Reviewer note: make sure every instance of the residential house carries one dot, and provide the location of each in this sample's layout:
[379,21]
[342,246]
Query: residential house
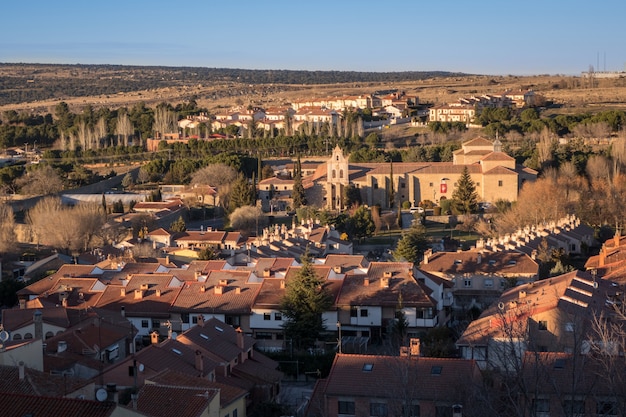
[551,315]
[363,386]
[478,277]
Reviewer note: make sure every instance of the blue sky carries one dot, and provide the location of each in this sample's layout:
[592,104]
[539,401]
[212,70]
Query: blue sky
[482,37]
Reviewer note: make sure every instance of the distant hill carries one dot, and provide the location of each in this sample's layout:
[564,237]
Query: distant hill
[21,83]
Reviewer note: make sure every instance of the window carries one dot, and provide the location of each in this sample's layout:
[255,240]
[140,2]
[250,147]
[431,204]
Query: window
[499,183]
[542,325]
[425,313]
[430,184]
[367,367]
[156,324]
[569,327]
[378,409]
[559,363]
[488,283]
[334,174]
[263,335]
[194,319]
[477,184]
[364,312]
[606,408]
[435,370]
[184,317]
[541,405]
[443,411]
[341,173]
[144,324]
[413,410]
[267,316]
[235,412]
[467,283]
[353,312]
[345,407]
[28,336]
[278,316]
[402,185]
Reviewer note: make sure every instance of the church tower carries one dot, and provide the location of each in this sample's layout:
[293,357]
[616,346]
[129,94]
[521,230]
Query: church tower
[337,179]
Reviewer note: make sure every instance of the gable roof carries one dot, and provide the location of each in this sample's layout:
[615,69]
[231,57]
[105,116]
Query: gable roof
[20,405]
[166,401]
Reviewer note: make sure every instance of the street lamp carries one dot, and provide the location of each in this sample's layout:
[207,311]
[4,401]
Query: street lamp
[339,338]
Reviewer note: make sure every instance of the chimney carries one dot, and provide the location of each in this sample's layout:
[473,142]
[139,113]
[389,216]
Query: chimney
[240,344]
[282,284]
[387,274]
[384,282]
[218,290]
[415,347]
[61,346]
[238,290]
[522,294]
[123,292]
[38,321]
[22,304]
[21,370]
[196,275]
[144,286]
[427,254]
[602,257]
[616,238]
[223,282]
[479,258]
[158,293]
[154,338]
[167,259]
[366,282]
[267,273]
[138,294]
[123,311]
[337,269]
[199,362]
[64,303]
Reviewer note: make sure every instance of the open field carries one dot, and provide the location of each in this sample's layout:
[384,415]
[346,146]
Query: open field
[126,86]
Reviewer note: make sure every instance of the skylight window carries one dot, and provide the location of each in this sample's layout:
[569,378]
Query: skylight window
[176,351]
[435,370]
[205,337]
[368,367]
[458,261]
[219,329]
[559,363]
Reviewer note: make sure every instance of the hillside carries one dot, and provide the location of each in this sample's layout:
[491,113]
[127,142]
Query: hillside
[39,88]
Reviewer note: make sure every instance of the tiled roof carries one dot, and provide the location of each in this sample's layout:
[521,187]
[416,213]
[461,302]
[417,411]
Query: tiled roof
[380,376]
[228,393]
[236,296]
[259,369]
[19,405]
[573,293]
[378,289]
[164,401]
[14,319]
[36,382]
[498,156]
[503,263]
[172,354]
[346,262]
[217,338]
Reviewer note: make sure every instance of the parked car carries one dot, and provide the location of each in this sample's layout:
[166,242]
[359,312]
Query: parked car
[419,210]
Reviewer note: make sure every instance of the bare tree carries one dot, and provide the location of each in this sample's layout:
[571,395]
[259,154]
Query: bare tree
[123,129]
[100,133]
[7,228]
[545,146]
[164,120]
[247,219]
[40,181]
[220,176]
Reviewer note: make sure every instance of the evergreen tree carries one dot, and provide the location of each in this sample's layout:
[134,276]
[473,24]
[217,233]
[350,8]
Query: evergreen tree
[298,196]
[361,224]
[241,194]
[464,195]
[412,245]
[304,301]
[178,225]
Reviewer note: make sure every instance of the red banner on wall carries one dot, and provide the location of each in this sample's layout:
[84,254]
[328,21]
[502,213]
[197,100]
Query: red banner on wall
[443,188]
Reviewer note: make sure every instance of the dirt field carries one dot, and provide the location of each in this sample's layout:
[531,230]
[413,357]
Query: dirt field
[572,93]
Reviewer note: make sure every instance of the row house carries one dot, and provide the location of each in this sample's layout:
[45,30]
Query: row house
[610,263]
[478,277]
[315,116]
[455,112]
[275,194]
[162,299]
[551,315]
[367,385]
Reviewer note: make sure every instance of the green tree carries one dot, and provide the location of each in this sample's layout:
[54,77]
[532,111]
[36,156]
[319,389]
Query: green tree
[298,195]
[352,196]
[412,245]
[305,299]
[208,254]
[361,224]
[127,181]
[464,195]
[178,225]
[241,194]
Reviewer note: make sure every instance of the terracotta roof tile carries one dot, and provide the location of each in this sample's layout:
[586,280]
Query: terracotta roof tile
[163,401]
[18,405]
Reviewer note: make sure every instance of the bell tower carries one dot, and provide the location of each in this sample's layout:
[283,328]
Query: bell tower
[337,179]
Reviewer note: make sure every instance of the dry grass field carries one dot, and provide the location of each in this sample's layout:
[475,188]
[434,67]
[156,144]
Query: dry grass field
[573,94]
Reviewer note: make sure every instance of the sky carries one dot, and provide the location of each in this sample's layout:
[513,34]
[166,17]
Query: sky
[494,37]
